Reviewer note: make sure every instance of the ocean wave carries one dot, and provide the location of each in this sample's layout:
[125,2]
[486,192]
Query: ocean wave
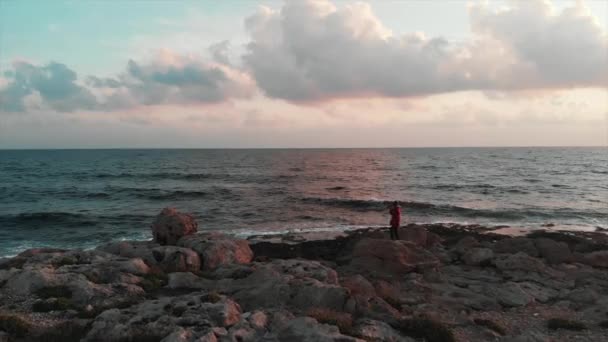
[431,209]
[59,219]
[158,175]
[156,194]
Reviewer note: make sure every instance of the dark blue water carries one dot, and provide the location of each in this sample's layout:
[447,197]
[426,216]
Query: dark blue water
[85,197]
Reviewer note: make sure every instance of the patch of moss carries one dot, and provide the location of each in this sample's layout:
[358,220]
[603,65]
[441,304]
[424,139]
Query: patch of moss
[54,292]
[427,328]
[566,324]
[14,325]
[342,320]
[491,325]
[57,304]
[211,297]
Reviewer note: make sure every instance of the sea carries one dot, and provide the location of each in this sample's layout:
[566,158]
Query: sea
[83,198]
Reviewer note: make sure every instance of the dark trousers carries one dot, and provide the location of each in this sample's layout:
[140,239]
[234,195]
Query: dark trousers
[394,233]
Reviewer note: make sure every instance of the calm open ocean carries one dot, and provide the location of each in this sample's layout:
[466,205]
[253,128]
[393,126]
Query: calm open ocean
[81,198]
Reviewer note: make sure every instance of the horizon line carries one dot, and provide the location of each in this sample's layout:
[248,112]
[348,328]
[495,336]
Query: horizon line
[288,148]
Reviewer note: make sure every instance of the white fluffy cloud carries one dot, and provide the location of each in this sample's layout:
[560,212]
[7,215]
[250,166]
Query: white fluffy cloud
[312,50]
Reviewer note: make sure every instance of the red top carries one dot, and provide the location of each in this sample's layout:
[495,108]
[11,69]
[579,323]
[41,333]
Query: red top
[395,216]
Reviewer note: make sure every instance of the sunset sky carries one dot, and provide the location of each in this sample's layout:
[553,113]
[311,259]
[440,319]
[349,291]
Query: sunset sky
[303,73]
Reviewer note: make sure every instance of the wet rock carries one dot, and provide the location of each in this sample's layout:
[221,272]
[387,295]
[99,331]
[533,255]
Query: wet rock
[552,251]
[171,225]
[217,250]
[378,256]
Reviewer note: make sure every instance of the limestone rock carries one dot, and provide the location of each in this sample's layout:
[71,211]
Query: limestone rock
[554,252]
[161,318]
[216,251]
[358,286]
[596,259]
[478,256]
[519,261]
[395,258]
[306,329]
[372,330]
[171,225]
[516,245]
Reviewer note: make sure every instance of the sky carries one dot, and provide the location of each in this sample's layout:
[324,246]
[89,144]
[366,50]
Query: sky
[303,73]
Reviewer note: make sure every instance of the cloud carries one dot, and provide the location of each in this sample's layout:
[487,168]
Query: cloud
[313,50]
[54,83]
[565,49]
[167,79]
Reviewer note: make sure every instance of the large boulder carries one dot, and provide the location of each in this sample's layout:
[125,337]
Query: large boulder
[381,256]
[171,225]
[216,250]
[554,252]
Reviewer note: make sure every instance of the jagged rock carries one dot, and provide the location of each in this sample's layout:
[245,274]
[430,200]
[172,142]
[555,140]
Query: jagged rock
[171,225]
[311,293]
[372,330]
[509,294]
[167,258]
[516,245]
[176,259]
[31,280]
[519,261]
[540,293]
[298,283]
[596,259]
[358,286]
[306,329]
[377,256]
[583,297]
[157,319]
[478,256]
[217,250]
[465,244]
[552,251]
[187,280]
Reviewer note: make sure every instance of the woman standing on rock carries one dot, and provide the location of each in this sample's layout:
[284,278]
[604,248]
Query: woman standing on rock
[395,212]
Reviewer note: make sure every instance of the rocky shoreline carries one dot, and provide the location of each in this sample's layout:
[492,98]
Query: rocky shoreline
[439,283]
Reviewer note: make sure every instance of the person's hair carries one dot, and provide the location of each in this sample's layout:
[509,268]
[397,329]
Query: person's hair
[395,203]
